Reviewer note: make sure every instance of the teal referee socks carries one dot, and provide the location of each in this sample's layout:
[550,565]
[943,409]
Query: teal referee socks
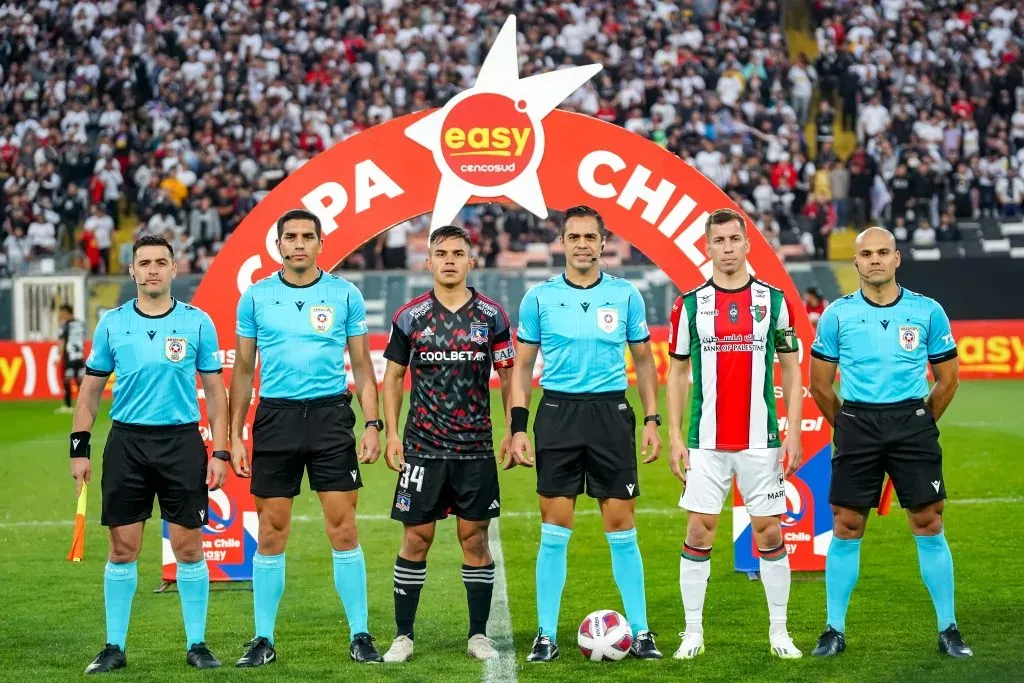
[628,570]
[842,568]
[350,582]
[551,568]
[267,589]
[936,564]
[194,590]
[119,583]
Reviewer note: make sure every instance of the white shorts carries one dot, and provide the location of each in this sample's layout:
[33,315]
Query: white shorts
[759,477]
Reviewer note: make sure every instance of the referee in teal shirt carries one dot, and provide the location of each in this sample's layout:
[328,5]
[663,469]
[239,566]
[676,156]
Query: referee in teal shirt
[585,429]
[301,320]
[882,338]
[154,346]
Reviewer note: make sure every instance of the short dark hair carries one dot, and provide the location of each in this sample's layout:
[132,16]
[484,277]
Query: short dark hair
[721,217]
[449,231]
[583,211]
[67,308]
[299,215]
[151,241]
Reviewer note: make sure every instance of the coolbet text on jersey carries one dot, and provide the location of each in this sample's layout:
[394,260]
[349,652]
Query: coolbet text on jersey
[450,354]
[885,350]
[302,332]
[731,337]
[583,332]
[155,359]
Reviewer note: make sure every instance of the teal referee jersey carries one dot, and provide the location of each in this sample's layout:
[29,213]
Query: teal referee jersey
[301,333]
[883,351]
[154,359]
[583,331]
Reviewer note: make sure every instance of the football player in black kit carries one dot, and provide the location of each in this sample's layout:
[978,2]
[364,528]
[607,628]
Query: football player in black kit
[71,346]
[449,338]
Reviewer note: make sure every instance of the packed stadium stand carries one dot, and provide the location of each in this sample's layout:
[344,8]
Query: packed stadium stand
[121,118]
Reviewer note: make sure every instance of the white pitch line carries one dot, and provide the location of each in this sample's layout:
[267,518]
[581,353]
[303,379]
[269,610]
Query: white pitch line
[502,669]
[518,514]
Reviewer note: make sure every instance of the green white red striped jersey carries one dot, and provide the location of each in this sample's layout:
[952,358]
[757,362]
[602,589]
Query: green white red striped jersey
[731,337]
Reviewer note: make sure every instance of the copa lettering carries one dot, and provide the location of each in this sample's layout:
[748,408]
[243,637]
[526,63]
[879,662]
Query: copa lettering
[328,200]
[500,141]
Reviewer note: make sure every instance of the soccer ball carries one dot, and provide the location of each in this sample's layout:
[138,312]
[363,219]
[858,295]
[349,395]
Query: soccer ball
[604,636]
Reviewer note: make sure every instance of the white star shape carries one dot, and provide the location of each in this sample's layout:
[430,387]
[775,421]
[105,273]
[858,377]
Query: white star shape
[499,74]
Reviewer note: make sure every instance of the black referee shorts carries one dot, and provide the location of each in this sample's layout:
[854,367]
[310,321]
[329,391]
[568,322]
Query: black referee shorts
[586,442]
[872,439]
[292,436]
[169,462]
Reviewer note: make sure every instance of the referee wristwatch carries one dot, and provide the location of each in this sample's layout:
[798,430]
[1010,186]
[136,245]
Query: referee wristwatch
[378,423]
[656,419]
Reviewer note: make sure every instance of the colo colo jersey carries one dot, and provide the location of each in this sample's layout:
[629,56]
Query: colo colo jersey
[731,337]
[154,360]
[301,333]
[450,355]
[883,351]
[72,333]
[583,331]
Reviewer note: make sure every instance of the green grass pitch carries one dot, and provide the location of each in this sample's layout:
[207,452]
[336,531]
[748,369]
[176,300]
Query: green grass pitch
[52,621]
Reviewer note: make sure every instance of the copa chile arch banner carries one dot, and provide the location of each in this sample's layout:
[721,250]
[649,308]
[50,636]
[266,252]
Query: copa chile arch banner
[503,140]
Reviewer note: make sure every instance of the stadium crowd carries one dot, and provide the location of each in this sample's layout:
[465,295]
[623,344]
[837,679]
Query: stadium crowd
[184,115]
[935,94]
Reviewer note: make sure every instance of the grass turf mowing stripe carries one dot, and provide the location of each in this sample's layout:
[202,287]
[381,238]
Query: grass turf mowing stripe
[516,514]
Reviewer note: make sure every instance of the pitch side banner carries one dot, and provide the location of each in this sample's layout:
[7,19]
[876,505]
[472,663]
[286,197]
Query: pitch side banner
[501,141]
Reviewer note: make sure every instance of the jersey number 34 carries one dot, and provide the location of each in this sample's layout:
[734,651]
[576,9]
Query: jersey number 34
[412,474]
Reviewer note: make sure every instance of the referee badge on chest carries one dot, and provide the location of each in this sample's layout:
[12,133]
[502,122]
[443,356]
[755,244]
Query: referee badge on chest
[175,348]
[608,319]
[321,318]
[910,337]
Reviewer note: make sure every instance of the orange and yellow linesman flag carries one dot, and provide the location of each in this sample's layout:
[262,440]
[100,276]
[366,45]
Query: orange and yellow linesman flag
[78,541]
[886,499]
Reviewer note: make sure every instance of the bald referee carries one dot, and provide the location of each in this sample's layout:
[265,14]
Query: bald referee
[585,429]
[881,338]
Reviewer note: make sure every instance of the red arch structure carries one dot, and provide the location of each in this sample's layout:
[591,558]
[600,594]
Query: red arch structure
[379,178]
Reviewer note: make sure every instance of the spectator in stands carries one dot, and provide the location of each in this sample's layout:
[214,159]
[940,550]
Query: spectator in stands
[815,304]
[204,226]
[1010,196]
[947,230]
[924,235]
[101,226]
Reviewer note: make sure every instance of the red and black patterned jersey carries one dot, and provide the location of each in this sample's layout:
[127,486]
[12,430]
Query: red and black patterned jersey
[450,354]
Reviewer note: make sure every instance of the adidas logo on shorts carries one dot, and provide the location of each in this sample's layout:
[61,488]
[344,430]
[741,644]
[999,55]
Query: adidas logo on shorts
[494,505]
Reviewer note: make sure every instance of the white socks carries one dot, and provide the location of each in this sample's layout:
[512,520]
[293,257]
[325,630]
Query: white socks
[775,576]
[693,584]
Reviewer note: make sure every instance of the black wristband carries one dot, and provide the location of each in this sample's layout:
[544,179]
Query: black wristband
[222,455]
[80,445]
[520,419]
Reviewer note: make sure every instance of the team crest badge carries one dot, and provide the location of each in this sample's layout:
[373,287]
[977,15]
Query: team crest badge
[403,503]
[759,311]
[734,312]
[608,319]
[910,337]
[175,348]
[321,318]
[478,333]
